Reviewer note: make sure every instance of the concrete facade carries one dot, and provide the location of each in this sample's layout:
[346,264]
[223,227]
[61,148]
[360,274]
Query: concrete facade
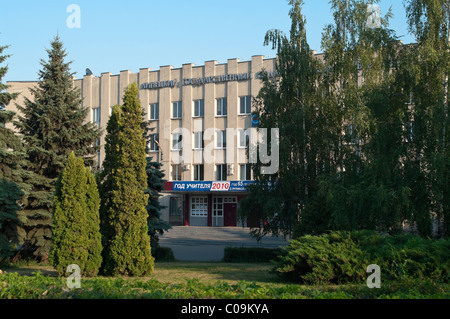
[208,100]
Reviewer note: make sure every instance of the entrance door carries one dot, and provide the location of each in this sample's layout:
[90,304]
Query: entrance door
[229,211]
[217,214]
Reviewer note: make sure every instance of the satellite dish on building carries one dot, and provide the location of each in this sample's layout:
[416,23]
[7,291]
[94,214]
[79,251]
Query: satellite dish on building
[89,72]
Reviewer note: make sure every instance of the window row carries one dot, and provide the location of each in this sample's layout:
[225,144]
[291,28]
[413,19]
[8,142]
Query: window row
[199,143]
[221,173]
[198,108]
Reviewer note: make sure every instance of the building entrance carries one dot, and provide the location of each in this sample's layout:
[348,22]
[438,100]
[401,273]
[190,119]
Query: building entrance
[224,211]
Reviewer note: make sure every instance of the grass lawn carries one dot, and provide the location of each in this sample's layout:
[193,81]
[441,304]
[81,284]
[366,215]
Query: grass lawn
[200,280]
[179,272]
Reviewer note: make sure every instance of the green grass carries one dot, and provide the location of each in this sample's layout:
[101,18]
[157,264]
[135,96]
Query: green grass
[200,280]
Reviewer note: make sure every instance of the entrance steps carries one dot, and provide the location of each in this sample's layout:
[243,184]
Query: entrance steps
[223,236]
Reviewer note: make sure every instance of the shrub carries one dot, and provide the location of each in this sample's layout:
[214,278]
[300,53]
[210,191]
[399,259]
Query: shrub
[330,258]
[250,254]
[340,257]
[163,254]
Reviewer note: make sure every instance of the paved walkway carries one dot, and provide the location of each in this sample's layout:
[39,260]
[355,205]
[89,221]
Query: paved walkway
[193,243]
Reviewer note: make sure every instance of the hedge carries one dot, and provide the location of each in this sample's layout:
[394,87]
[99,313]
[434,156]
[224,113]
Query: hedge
[343,257]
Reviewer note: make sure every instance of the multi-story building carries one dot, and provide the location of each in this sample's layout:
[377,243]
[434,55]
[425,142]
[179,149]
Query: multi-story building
[199,116]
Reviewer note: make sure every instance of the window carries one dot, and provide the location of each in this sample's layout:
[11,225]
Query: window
[221,139]
[199,172]
[199,206]
[176,141]
[154,111]
[96,115]
[408,132]
[198,140]
[176,172]
[154,143]
[199,108]
[176,110]
[176,205]
[221,172]
[221,107]
[243,138]
[245,172]
[245,105]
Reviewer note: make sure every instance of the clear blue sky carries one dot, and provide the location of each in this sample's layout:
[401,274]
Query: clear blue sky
[129,35]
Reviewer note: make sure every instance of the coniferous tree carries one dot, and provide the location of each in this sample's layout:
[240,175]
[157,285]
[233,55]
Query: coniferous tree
[124,179]
[94,259]
[70,242]
[12,175]
[52,126]
[155,182]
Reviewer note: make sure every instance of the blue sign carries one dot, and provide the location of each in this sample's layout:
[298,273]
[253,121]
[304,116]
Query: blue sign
[255,120]
[210,186]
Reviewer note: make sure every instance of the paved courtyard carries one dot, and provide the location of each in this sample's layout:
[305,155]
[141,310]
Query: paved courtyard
[191,243]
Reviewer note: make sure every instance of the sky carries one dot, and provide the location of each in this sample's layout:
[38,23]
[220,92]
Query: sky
[111,36]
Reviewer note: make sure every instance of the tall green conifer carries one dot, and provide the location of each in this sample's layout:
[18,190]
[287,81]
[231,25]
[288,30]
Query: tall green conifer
[124,216]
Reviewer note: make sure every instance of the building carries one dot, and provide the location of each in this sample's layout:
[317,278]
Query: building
[200,115]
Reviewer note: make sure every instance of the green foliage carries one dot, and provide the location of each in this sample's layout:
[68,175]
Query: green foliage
[124,178]
[52,125]
[75,229]
[340,257]
[250,254]
[38,286]
[155,181]
[94,247]
[163,254]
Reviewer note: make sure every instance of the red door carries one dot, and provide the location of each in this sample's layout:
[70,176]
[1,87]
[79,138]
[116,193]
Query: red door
[229,212]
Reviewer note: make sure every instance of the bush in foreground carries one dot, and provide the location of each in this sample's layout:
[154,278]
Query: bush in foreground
[343,257]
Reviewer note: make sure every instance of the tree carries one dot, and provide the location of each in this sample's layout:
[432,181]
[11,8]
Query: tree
[12,175]
[290,104]
[123,200]
[94,259]
[426,73]
[69,232]
[155,182]
[76,225]
[52,126]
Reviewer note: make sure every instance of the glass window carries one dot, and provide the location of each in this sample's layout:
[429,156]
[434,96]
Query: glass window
[199,206]
[154,142]
[176,172]
[244,138]
[198,140]
[154,111]
[176,141]
[199,108]
[221,172]
[245,172]
[221,107]
[96,115]
[176,110]
[221,139]
[245,106]
[199,172]
[176,205]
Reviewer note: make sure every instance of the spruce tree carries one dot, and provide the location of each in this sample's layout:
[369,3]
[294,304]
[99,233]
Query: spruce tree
[155,182]
[12,175]
[124,216]
[52,125]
